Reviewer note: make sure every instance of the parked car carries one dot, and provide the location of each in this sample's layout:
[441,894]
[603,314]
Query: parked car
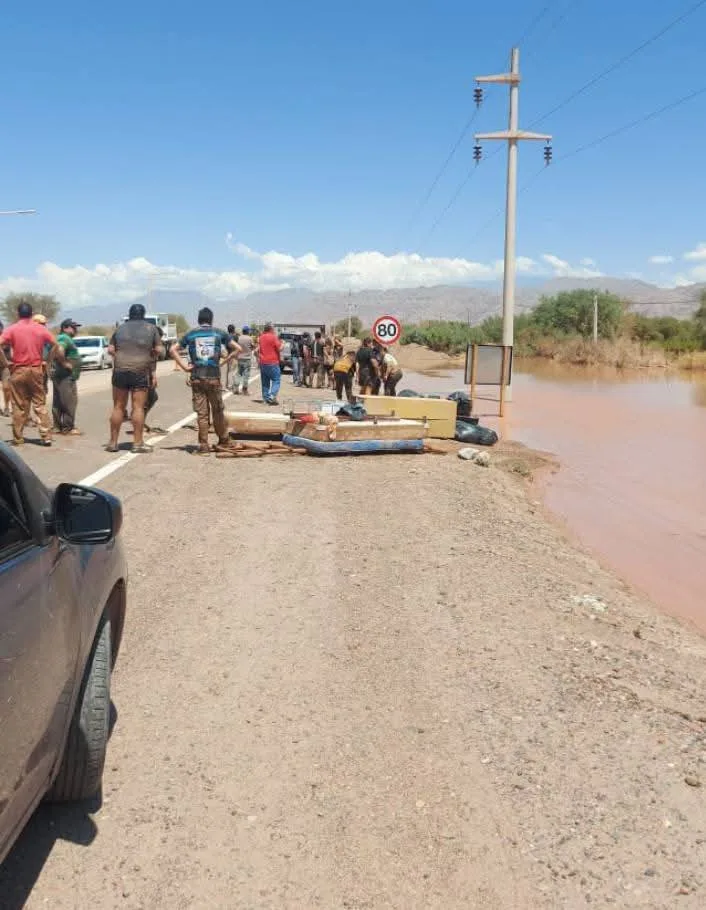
[94,351]
[62,609]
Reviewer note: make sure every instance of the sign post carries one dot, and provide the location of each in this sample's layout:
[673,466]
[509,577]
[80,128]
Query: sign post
[387,330]
[489,364]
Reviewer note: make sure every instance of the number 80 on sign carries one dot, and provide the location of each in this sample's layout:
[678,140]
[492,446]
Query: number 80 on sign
[387,330]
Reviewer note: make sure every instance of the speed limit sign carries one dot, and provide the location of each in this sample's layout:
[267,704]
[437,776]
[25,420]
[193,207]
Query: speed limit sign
[387,329]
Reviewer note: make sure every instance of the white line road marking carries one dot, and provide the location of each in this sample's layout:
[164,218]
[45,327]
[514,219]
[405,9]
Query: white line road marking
[127,457]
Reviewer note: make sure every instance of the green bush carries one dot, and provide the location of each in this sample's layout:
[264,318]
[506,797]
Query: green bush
[567,317]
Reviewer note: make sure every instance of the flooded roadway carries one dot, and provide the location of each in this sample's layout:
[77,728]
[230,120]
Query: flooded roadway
[632,479]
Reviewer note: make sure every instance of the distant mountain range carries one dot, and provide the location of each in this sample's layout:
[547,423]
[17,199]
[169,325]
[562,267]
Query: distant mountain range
[409,304]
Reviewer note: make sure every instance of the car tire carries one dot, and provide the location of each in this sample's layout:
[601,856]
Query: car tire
[81,770]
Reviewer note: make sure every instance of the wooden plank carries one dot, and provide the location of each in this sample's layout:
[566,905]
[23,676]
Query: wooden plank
[253,423]
[349,430]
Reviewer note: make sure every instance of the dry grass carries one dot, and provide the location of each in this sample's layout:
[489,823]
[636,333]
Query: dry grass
[622,353]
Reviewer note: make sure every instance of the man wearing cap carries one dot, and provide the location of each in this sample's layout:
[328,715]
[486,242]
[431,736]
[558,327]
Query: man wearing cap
[27,340]
[66,369]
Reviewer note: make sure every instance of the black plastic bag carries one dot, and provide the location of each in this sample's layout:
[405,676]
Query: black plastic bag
[352,411]
[475,435]
[463,403]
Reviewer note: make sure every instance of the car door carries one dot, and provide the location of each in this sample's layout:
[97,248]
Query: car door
[38,651]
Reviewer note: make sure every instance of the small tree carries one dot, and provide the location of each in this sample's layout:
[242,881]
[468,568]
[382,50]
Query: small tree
[341,327]
[571,313]
[46,304]
[700,320]
[182,324]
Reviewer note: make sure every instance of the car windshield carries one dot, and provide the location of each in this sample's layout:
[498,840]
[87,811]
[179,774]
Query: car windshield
[87,342]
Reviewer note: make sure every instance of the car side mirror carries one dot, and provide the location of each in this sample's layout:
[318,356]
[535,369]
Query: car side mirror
[85,515]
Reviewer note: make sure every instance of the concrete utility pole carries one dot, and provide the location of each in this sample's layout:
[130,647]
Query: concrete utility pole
[512,136]
[595,318]
[349,308]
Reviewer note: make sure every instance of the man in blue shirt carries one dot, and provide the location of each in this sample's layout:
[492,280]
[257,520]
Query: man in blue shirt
[206,347]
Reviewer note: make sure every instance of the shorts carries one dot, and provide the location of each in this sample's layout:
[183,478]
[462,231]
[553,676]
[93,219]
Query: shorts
[132,380]
[365,378]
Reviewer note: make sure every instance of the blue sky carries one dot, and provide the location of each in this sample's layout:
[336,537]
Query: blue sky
[143,132]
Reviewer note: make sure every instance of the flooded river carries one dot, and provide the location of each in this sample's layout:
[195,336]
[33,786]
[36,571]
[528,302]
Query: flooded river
[632,480]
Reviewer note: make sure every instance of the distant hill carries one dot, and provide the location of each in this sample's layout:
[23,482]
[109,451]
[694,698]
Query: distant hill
[409,304]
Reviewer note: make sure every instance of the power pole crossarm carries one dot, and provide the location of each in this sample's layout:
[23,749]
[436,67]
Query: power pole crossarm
[516,134]
[513,135]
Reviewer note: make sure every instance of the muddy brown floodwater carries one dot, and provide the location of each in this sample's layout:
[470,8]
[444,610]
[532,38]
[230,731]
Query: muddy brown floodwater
[631,485]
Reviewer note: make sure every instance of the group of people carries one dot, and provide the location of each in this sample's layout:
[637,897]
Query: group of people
[30,356]
[313,359]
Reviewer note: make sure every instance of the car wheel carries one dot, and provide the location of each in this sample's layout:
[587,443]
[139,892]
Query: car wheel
[81,770]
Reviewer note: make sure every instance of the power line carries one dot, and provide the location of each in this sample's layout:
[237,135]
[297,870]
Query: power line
[533,24]
[555,23]
[442,170]
[629,126]
[450,204]
[622,61]
[593,144]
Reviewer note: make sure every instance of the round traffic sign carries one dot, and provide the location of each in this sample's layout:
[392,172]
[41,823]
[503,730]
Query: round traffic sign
[387,329]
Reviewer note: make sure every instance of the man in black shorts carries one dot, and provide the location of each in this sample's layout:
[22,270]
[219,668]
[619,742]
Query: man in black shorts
[135,346]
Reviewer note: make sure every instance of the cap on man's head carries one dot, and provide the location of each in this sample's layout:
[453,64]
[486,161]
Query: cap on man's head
[40,318]
[70,324]
[246,330]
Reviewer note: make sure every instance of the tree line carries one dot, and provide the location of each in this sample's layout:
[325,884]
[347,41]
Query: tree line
[566,317]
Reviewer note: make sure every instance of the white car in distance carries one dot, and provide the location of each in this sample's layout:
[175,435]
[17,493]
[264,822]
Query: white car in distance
[94,351]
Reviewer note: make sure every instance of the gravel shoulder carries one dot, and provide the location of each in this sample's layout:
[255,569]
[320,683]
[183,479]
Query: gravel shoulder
[384,682]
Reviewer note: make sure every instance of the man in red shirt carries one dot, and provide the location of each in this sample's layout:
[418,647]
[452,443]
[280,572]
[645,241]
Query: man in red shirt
[268,355]
[27,339]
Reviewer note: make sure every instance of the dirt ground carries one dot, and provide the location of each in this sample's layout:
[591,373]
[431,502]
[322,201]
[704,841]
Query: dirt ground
[383,682]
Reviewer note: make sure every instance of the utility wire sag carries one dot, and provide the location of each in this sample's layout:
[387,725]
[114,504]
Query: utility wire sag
[621,62]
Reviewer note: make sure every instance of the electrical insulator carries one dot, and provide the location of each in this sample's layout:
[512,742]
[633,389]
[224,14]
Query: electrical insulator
[478,96]
[477,153]
[548,154]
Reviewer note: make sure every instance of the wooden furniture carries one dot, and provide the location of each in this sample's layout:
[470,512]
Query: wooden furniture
[439,413]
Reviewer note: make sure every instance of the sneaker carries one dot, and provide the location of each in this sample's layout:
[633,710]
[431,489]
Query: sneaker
[142,450]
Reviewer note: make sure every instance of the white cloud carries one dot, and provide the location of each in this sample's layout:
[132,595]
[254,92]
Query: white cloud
[660,260]
[82,285]
[562,269]
[588,263]
[698,254]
